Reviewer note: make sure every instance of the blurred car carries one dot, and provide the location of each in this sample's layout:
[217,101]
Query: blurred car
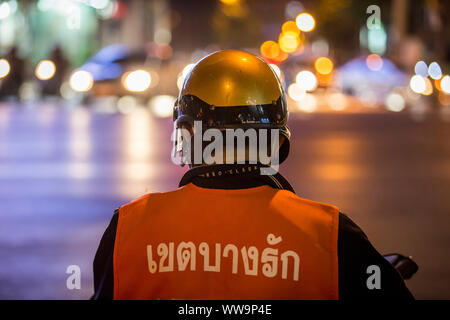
[140,77]
[370,78]
[115,70]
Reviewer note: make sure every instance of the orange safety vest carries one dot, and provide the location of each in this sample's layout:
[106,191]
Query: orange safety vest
[198,243]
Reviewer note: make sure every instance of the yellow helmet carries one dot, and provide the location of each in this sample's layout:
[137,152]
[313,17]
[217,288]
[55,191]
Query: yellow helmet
[233,89]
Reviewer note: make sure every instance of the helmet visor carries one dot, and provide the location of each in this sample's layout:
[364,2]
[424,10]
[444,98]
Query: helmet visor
[272,115]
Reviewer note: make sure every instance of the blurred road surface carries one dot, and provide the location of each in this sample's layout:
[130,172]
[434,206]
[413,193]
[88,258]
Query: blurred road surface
[62,173]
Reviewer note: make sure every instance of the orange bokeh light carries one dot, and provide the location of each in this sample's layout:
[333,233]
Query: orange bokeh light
[270,50]
[324,65]
[289,41]
[290,26]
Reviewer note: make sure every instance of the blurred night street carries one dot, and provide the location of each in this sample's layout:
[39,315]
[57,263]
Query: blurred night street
[92,93]
[64,172]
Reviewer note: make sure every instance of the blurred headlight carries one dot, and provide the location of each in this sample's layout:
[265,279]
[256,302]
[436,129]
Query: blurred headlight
[81,81]
[136,81]
[45,70]
[395,102]
[4,68]
[306,80]
[435,71]
[324,65]
[162,106]
[305,22]
[445,84]
[289,41]
[295,92]
[417,84]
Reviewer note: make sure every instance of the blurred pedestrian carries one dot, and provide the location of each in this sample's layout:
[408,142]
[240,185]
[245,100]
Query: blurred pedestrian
[52,86]
[10,85]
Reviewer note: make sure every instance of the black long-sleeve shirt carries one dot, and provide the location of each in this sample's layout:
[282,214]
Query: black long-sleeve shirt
[355,252]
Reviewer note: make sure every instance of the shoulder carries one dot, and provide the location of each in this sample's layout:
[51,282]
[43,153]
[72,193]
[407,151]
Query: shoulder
[289,197]
[350,230]
[318,216]
[149,199]
[142,199]
[136,203]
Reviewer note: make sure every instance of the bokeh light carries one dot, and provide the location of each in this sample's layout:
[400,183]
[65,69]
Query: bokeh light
[4,68]
[417,84]
[289,41]
[163,51]
[434,71]
[293,8]
[337,101]
[290,26]
[281,56]
[162,105]
[28,91]
[395,102]
[324,65]
[127,104]
[81,81]
[137,81]
[66,91]
[374,62]
[270,50]
[421,69]
[444,99]
[229,2]
[320,47]
[295,92]
[445,84]
[305,22]
[45,70]
[163,36]
[306,80]
[324,80]
[428,87]
[308,103]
